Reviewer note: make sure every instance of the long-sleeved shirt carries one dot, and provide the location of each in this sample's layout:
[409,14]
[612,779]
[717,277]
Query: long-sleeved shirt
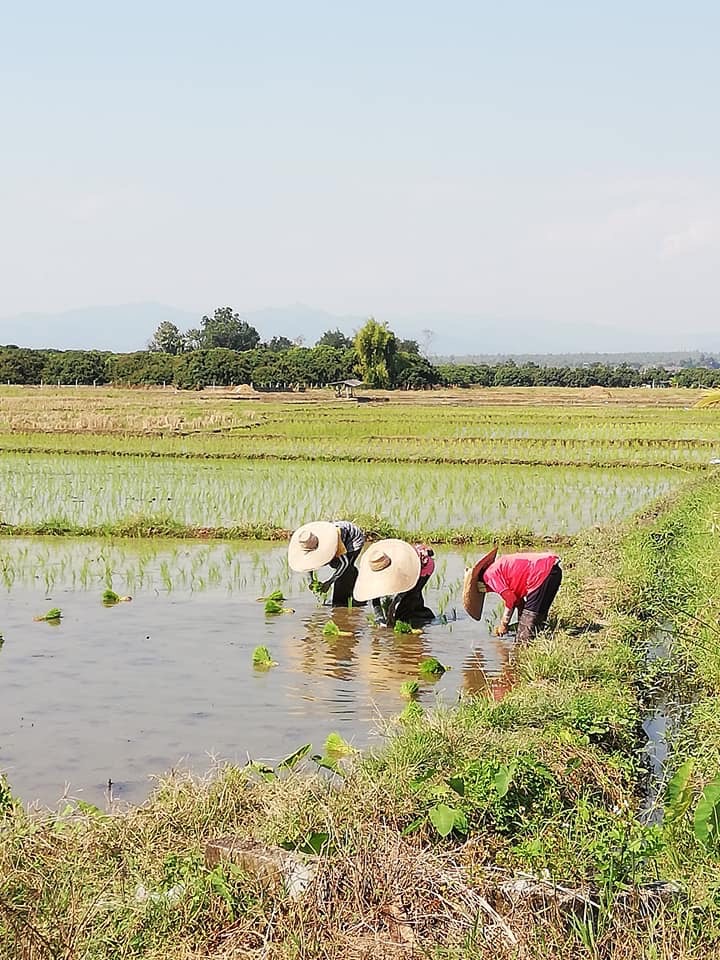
[351,535]
[515,575]
[353,540]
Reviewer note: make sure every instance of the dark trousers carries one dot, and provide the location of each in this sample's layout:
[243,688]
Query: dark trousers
[538,601]
[411,607]
[343,586]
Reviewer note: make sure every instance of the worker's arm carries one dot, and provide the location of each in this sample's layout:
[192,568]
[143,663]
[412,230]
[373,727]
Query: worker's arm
[391,614]
[511,604]
[343,562]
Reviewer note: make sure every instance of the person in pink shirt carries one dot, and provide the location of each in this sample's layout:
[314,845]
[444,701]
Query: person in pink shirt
[527,582]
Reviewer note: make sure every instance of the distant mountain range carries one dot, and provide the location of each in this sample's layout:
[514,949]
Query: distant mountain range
[130,326]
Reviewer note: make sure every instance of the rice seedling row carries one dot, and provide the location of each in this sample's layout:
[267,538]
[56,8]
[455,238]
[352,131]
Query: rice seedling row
[693,454]
[76,491]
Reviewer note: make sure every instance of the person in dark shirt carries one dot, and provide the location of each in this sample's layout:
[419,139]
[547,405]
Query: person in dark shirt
[409,606]
[334,543]
[391,569]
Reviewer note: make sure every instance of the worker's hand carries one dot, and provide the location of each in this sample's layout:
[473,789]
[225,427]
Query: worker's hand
[317,586]
[501,629]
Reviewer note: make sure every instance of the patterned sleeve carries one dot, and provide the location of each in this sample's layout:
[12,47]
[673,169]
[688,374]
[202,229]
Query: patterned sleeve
[352,536]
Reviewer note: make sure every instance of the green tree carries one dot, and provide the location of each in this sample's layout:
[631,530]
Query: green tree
[376,348]
[143,368]
[167,339]
[76,366]
[279,344]
[334,338]
[218,366]
[22,365]
[413,372]
[194,339]
[226,329]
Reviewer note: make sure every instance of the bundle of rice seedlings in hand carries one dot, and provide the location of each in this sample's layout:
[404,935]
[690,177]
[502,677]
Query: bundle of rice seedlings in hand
[317,586]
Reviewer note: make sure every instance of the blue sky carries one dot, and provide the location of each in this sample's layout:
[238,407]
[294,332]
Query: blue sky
[552,162]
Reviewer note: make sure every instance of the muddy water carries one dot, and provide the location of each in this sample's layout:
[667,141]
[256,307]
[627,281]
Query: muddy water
[127,692]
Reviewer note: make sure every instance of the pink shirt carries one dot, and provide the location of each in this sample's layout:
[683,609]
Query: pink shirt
[515,575]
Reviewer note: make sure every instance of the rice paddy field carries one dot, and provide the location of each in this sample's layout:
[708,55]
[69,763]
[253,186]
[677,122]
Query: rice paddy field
[121,694]
[72,491]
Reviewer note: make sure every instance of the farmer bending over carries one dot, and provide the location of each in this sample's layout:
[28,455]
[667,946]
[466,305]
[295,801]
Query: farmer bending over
[409,606]
[527,582]
[393,570]
[323,543]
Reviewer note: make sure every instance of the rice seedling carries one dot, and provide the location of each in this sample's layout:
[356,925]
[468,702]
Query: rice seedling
[432,667]
[336,746]
[411,711]
[54,615]
[409,689]
[274,607]
[110,598]
[331,629]
[404,628]
[262,659]
[277,595]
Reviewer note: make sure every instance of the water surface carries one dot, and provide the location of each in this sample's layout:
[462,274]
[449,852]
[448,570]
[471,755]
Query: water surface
[127,692]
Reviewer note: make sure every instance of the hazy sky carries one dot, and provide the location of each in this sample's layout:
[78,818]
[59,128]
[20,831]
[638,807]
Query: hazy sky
[544,160]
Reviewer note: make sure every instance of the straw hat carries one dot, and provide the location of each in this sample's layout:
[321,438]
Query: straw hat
[473,598]
[312,546]
[386,568]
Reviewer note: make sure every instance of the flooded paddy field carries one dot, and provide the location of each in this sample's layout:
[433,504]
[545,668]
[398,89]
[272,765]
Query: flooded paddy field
[86,491]
[484,427]
[126,692]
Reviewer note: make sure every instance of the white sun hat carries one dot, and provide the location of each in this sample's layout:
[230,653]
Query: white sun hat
[387,567]
[313,545]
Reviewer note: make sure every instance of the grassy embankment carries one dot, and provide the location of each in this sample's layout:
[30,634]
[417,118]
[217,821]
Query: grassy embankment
[423,844]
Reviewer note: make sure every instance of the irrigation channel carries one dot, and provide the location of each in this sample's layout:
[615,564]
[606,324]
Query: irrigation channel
[121,693]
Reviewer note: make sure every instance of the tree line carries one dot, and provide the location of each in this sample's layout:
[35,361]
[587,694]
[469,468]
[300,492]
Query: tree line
[225,351]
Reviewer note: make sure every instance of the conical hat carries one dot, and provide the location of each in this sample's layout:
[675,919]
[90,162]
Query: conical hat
[312,546]
[386,568]
[473,599]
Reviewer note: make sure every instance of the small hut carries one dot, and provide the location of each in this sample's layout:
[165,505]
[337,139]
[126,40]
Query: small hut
[345,389]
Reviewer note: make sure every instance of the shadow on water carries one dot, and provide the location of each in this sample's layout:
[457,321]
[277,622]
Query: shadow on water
[124,693]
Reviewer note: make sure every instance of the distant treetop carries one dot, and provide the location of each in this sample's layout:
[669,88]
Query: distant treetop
[334,338]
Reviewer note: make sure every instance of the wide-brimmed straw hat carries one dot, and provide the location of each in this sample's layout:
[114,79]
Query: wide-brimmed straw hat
[312,546]
[473,599]
[387,567]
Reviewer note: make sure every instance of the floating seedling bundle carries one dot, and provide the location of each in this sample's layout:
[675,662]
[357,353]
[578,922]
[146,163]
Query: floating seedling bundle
[54,615]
